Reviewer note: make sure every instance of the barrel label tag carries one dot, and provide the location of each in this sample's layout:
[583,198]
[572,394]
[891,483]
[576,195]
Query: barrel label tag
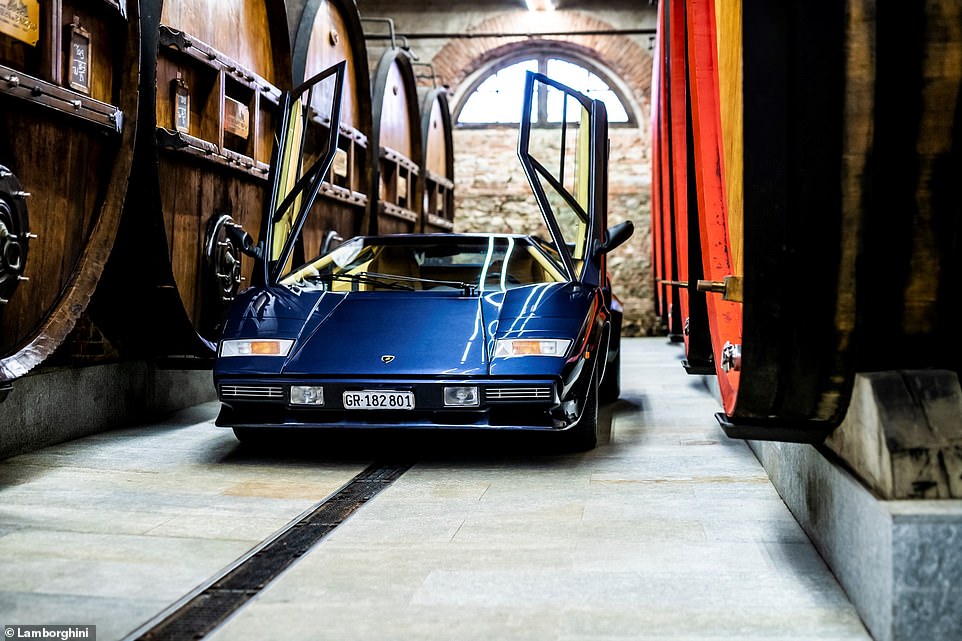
[180,97]
[20,19]
[78,70]
[236,118]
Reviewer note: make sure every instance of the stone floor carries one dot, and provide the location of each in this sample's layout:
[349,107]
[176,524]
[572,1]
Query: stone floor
[668,530]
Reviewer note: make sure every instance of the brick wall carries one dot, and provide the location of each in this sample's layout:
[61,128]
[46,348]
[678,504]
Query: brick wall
[491,192]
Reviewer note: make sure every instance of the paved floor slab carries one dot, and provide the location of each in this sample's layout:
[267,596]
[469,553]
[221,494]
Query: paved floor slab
[111,529]
[667,531]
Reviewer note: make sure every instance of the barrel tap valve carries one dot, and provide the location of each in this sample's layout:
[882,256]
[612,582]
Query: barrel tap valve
[730,288]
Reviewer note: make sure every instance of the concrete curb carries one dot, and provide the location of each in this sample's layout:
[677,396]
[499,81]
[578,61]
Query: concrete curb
[59,404]
[899,561]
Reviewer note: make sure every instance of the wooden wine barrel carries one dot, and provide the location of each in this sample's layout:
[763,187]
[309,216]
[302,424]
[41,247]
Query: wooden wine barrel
[396,134]
[901,160]
[329,31]
[438,167]
[684,308]
[782,370]
[68,113]
[664,264]
[827,214]
[211,74]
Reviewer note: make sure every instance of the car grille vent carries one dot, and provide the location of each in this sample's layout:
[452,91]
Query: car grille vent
[534,393]
[252,391]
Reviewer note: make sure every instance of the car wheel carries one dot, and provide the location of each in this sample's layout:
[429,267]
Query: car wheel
[610,388]
[584,436]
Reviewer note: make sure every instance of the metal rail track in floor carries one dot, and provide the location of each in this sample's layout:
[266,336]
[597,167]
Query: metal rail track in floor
[198,613]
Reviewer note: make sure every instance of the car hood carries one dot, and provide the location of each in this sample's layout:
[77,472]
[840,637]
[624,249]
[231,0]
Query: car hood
[393,333]
[406,333]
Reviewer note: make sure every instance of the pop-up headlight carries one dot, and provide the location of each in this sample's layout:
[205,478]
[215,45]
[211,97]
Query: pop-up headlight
[256,347]
[509,347]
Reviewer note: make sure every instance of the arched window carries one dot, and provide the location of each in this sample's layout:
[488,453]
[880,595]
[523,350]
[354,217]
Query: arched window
[495,97]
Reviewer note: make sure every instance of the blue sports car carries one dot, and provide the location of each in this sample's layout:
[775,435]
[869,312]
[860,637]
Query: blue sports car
[449,331]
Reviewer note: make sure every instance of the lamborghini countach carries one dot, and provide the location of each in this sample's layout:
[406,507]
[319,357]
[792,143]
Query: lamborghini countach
[431,331]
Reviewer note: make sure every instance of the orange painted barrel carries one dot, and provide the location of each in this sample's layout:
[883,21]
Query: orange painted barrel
[825,144]
[329,31]
[68,114]
[212,74]
[396,134]
[438,167]
[678,254]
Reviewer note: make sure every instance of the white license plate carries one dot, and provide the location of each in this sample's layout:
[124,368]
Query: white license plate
[378,400]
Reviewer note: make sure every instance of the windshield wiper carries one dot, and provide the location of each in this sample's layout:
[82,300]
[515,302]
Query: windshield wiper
[378,280]
[468,288]
[360,278]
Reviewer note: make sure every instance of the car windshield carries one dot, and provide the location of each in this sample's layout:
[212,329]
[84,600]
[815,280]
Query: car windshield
[469,264]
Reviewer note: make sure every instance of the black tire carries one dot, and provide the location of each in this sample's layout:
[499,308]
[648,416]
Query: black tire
[584,435]
[610,388]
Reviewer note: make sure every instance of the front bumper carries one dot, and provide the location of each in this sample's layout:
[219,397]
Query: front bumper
[513,404]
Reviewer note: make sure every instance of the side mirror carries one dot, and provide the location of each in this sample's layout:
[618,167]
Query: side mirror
[615,236]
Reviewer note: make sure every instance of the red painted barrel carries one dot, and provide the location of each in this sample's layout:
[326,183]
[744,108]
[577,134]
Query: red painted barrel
[663,271]
[824,141]
[68,114]
[210,84]
[676,227]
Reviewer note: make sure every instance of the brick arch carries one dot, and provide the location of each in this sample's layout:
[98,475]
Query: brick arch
[630,63]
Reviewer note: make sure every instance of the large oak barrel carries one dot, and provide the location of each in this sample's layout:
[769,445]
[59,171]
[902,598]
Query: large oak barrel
[327,32]
[675,230]
[210,84]
[663,268]
[68,113]
[825,141]
[396,134]
[438,167]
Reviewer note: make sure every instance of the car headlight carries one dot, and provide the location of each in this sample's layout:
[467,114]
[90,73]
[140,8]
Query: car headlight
[509,347]
[256,347]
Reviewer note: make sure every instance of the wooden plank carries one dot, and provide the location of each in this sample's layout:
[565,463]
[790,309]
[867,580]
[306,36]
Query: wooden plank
[397,130]
[436,151]
[331,41]
[657,89]
[676,154]
[725,318]
[728,17]
[241,29]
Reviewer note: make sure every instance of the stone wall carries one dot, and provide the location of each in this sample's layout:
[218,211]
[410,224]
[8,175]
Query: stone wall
[491,191]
